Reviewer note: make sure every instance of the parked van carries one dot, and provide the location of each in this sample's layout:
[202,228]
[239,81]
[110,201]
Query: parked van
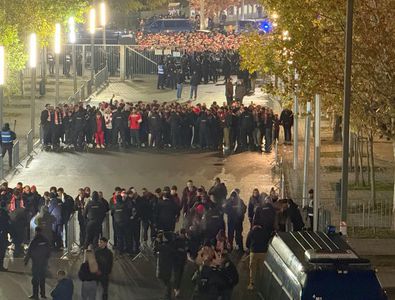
[168,25]
[307,265]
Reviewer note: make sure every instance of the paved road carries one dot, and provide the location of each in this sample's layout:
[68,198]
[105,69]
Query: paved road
[104,171]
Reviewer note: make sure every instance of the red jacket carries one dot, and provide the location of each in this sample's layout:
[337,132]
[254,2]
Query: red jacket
[134,121]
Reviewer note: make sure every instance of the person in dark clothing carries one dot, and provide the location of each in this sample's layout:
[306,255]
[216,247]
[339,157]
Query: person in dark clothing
[257,242]
[188,194]
[39,252]
[147,208]
[104,258]
[5,228]
[235,209]
[265,216]
[121,218]
[286,120]
[231,275]
[94,213]
[64,288]
[294,215]
[246,128]
[67,210]
[268,129]
[79,206]
[7,142]
[167,212]
[203,124]
[195,80]
[45,122]
[19,223]
[229,91]
[180,259]
[55,209]
[175,129]
[155,128]
[135,220]
[219,191]
[253,204]
[79,127]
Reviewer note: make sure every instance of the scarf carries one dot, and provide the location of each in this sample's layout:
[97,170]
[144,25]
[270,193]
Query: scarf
[13,203]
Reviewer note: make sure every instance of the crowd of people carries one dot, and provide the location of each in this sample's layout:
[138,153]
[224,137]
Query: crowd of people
[190,42]
[233,127]
[150,218]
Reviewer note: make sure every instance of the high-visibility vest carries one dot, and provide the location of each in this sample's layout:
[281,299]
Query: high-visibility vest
[161,71]
[6,137]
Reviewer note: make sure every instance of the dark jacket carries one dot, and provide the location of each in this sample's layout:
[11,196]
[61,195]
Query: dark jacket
[166,214]
[63,290]
[104,258]
[258,239]
[39,251]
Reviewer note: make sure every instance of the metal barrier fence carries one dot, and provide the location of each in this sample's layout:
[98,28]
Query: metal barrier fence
[29,144]
[362,214]
[79,95]
[15,155]
[101,78]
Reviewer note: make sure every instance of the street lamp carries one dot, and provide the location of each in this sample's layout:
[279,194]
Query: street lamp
[57,53]
[72,40]
[33,65]
[92,28]
[103,24]
[1,84]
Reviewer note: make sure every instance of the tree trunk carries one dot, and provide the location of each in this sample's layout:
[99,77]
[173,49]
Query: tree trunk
[202,15]
[356,160]
[337,129]
[360,143]
[352,150]
[393,201]
[372,178]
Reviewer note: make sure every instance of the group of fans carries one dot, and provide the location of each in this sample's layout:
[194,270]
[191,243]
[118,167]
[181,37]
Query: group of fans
[233,127]
[190,42]
[198,215]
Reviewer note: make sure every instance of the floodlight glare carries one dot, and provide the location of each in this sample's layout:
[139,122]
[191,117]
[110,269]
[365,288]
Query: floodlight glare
[72,37]
[103,14]
[33,51]
[92,21]
[57,38]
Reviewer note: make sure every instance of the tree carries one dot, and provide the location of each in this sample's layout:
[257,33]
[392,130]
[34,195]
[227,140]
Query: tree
[126,6]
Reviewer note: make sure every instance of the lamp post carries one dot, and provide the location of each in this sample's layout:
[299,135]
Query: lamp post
[72,40]
[33,65]
[103,24]
[92,28]
[1,84]
[57,53]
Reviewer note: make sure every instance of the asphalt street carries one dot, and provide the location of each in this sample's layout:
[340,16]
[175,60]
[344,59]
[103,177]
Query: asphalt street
[102,170]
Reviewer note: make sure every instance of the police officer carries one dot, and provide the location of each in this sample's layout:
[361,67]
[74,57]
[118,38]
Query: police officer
[7,138]
[118,126]
[246,128]
[235,209]
[204,130]
[51,63]
[161,76]
[167,212]
[155,128]
[134,220]
[121,219]
[78,127]
[94,213]
[39,251]
[212,221]
[67,64]
[104,258]
[5,226]
[180,259]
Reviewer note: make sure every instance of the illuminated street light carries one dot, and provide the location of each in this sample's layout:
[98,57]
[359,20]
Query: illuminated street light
[1,84]
[103,14]
[274,16]
[92,21]
[57,54]
[33,65]
[72,39]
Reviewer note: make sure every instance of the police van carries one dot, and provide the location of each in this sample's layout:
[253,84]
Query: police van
[307,265]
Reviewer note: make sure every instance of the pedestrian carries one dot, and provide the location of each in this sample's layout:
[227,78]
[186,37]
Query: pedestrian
[67,210]
[240,91]
[45,221]
[286,120]
[180,259]
[121,215]
[294,215]
[94,214]
[195,80]
[180,78]
[257,242]
[7,142]
[79,206]
[5,228]
[134,125]
[39,252]
[64,288]
[88,274]
[253,204]
[167,212]
[99,128]
[229,91]
[235,209]
[104,258]
[310,209]
[55,209]
[161,76]
[231,275]
[219,191]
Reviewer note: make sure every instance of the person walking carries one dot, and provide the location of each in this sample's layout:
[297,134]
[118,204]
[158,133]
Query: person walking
[7,142]
[39,251]
[195,80]
[257,242]
[104,258]
[235,209]
[88,274]
[64,288]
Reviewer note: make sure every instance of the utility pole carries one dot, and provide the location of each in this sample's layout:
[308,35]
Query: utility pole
[296,131]
[346,116]
[306,153]
[317,144]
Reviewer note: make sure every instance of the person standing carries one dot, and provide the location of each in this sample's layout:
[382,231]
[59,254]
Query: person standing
[167,212]
[99,128]
[45,122]
[195,80]
[134,125]
[257,242]
[286,120]
[88,274]
[161,76]
[229,91]
[64,288]
[104,258]
[79,206]
[39,251]
[235,209]
[51,64]
[180,78]
[5,227]
[7,142]
[67,210]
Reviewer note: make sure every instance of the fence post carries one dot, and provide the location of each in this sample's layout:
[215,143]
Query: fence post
[15,155]
[29,142]
[122,62]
